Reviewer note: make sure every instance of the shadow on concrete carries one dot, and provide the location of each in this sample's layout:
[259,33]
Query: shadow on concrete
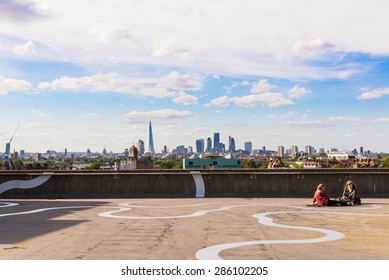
[16,227]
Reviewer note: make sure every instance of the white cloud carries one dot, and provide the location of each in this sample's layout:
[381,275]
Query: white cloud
[306,123]
[261,86]
[374,94]
[28,48]
[344,119]
[268,98]
[298,92]
[178,81]
[22,11]
[8,85]
[100,82]
[168,48]
[185,99]
[110,82]
[381,120]
[312,47]
[104,32]
[158,115]
[222,101]
[157,92]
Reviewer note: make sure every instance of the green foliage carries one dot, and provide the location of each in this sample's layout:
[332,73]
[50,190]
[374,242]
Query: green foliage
[297,166]
[248,164]
[94,165]
[263,165]
[337,165]
[170,164]
[384,161]
[18,163]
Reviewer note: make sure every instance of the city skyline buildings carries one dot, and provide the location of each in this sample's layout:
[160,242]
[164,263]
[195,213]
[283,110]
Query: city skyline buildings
[290,74]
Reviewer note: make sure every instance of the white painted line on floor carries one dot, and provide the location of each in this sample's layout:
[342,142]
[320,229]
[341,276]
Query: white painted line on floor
[8,204]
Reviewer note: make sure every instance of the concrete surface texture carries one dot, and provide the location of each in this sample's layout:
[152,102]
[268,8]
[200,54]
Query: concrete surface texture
[190,228]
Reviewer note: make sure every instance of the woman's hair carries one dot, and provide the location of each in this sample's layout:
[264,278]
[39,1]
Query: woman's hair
[320,187]
[350,182]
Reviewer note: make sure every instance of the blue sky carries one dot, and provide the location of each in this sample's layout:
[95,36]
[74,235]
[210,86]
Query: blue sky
[91,74]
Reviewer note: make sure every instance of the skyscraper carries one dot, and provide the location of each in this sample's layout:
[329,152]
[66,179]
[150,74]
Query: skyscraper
[200,146]
[281,151]
[209,144]
[141,147]
[151,141]
[216,141]
[248,147]
[231,144]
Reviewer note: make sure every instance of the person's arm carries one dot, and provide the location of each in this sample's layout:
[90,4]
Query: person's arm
[352,194]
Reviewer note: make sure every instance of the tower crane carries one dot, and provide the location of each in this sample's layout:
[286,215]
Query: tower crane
[7,155]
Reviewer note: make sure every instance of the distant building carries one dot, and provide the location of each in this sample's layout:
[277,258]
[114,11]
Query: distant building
[36,156]
[281,151]
[211,163]
[151,140]
[231,144]
[200,146]
[141,147]
[294,151]
[340,155]
[248,147]
[308,150]
[216,141]
[209,144]
[136,162]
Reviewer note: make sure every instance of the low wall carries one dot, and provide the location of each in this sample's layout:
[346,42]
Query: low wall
[183,183]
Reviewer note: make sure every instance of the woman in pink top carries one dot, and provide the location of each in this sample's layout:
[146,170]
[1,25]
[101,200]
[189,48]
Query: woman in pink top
[320,198]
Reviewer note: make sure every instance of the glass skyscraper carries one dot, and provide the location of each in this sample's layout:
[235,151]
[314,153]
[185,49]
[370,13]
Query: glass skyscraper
[151,141]
[216,141]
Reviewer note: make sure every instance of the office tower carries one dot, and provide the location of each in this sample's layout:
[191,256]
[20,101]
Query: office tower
[165,149]
[263,148]
[248,147]
[190,149]
[308,150]
[66,152]
[361,150]
[231,144]
[281,151]
[141,147]
[200,146]
[216,141]
[209,144]
[294,151]
[151,141]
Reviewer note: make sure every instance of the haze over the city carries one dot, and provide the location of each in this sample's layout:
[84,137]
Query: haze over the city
[90,74]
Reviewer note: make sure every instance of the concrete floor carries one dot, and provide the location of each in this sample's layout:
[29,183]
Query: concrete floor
[187,229]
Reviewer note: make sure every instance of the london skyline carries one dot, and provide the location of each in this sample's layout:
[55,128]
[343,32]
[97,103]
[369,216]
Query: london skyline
[81,75]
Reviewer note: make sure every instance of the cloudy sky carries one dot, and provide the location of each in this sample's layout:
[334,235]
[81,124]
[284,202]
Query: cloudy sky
[92,73]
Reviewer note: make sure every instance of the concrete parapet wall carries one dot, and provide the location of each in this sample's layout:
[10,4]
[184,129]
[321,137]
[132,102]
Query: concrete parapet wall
[182,183]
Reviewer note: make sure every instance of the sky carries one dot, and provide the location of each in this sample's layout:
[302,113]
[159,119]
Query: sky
[91,74]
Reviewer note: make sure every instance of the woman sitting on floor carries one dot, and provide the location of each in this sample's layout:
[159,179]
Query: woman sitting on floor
[320,198]
[349,194]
